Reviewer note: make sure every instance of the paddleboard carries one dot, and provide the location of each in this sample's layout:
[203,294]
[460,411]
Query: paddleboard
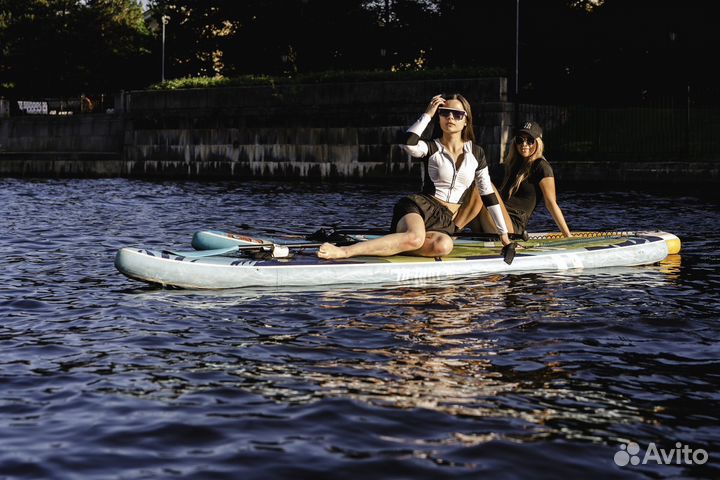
[545,252]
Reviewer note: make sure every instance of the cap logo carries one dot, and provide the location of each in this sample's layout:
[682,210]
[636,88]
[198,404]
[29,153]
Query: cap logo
[527,125]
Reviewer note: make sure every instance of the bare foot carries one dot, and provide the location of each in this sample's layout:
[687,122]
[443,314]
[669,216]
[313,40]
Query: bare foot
[330,251]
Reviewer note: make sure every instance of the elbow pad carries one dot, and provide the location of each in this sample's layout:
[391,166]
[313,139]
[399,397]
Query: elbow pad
[411,139]
[487,194]
[489,199]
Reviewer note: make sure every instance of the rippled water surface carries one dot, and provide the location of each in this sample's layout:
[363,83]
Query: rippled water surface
[505,376]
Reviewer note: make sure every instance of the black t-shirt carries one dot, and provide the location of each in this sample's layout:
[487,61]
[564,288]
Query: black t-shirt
[525,198]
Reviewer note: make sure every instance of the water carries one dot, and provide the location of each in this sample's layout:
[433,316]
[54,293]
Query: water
[506,376]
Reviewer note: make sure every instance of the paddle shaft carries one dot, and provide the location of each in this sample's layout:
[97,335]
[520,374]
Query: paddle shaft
[327,232]
[379,231]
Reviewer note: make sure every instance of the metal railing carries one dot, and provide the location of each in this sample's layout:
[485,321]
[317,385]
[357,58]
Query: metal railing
[622,132]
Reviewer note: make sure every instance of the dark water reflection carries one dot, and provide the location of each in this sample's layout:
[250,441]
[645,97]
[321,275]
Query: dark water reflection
[521,376]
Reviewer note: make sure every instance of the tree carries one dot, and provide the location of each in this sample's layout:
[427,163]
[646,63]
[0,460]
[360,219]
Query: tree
[267,36]
[569,50]
[67,47]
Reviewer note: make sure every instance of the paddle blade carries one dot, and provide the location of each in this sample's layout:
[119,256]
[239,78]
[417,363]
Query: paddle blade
[508,252]
[206,253]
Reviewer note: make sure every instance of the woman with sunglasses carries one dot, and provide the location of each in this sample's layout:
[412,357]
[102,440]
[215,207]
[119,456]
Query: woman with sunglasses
[422,223]
[528,178]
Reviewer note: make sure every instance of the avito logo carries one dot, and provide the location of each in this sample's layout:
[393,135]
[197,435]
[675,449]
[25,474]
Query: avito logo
[681,454]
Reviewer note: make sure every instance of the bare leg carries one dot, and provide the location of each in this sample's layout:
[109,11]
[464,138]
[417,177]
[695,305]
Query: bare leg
[469,209]
[437,244]
[481,222]
[410,237]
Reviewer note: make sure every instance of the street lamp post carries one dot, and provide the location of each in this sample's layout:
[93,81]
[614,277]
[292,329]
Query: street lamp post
[517,60]
[517,44]
[165,19]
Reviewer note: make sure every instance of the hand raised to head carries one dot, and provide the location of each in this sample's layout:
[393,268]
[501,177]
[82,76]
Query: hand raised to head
[436,102]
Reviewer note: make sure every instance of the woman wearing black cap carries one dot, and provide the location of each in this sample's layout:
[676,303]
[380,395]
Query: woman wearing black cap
[528,177]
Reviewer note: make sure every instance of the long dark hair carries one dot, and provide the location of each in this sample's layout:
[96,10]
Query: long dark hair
[467,133]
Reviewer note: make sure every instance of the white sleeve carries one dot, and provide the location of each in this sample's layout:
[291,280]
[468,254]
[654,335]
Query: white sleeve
[482,179]
[419,149]
[496,213]
[487,194]
[416,151]
[420,125]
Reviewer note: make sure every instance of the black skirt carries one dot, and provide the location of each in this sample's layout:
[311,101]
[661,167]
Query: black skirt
[437,217]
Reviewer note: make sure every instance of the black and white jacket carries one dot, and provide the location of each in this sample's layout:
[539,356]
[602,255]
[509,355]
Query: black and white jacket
[444,180]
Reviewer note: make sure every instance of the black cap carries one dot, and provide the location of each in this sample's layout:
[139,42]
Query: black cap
[531,128]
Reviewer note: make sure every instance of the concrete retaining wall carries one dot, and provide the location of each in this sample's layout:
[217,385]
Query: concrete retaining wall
[332,131]
[327,130]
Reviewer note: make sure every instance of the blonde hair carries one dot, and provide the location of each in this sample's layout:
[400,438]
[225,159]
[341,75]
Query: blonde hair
[512,159]
[467,132]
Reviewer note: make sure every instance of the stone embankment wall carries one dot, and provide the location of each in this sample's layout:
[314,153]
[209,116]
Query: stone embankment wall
[339,131]
[74,145]
[344,130]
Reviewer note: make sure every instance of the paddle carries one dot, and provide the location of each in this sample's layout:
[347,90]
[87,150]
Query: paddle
[507,252]
[326,234]
[338,237]
[273,250]
[331,232]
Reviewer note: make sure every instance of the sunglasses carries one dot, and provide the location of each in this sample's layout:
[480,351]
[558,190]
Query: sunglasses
[520,140]
[456,114]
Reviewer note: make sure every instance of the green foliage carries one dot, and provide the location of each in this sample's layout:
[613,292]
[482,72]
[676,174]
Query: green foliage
[332,76]
[208,82]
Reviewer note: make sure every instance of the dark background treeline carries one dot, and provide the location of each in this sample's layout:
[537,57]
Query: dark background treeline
[579,51]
